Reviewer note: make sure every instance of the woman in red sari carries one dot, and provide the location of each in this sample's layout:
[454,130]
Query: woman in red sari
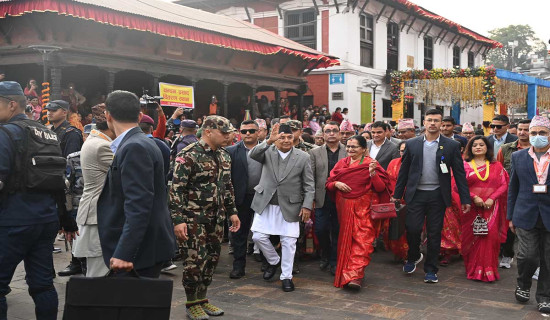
[399,247]
[488,183]
[356,182]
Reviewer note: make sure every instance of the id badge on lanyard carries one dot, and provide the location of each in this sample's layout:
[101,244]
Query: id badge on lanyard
[540,188]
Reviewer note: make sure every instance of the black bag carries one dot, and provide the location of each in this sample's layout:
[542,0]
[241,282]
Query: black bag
[118,298]
[39,163]
[397,225]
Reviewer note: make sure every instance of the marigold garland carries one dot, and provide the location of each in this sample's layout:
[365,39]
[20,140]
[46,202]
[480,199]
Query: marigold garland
[487,74]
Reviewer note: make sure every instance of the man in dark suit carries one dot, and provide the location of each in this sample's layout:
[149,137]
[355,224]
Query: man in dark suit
[245,175]
[380,147]
[135,228]
[447,129]
[500,136]
[529,213]
[425,174]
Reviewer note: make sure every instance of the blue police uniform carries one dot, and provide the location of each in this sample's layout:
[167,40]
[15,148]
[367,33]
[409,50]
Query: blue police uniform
[28,225]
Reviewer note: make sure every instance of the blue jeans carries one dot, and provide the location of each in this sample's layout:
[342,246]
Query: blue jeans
[33,245]
[327,229]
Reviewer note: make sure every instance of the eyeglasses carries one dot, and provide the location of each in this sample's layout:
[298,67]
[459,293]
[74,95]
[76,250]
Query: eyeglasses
[347,133]
[335,131]
[245,131]
[352,147]
[7,98]
[497,126]
[539,133]
[467,133]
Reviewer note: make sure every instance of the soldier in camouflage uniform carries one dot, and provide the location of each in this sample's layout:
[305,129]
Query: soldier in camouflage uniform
[296,127]
[200,196]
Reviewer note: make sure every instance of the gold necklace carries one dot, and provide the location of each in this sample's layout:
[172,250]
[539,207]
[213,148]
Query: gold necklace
[474,166]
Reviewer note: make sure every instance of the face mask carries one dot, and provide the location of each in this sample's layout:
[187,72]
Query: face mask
[538,142]
[314,120]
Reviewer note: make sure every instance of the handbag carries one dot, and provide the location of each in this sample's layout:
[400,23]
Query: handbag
[383,211]
[118,298]
[479,226]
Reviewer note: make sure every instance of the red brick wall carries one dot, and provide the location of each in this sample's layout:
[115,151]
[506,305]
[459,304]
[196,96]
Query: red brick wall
[261,6]
[318,87]
[324,32]
[268,23]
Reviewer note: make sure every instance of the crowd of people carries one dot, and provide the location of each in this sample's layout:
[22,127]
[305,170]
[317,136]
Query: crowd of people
[142,192]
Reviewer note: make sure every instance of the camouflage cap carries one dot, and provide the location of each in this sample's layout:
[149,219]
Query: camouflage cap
[217,122]
[294,124]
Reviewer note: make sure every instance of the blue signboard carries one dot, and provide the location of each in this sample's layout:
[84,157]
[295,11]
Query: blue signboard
[337,78]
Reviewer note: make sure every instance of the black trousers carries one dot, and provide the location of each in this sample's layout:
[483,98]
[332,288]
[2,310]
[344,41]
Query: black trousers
[534,247]
[239,239]
[429,206]
[507,248]
[327,229]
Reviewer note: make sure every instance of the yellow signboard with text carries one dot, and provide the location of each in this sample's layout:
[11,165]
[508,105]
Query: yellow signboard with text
[174,95]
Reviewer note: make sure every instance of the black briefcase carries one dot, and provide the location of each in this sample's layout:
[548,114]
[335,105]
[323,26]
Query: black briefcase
[118,298]
[397,225]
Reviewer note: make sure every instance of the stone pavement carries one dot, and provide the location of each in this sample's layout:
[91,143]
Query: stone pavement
[388,294]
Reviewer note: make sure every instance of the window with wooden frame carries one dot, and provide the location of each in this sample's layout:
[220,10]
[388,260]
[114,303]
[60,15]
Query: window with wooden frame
[428,53]
[301,26]
[367,40]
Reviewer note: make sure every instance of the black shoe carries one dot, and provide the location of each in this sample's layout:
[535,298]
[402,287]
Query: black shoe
[295,268]
[288,285]
[270,272]
[332,270]
[257,257]
[544,307]
[522,295]
[264,265]
[236,274]
[323,264]
[70,270]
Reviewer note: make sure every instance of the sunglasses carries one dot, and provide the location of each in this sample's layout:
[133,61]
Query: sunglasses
[496,126]
[245,131]
[335,131]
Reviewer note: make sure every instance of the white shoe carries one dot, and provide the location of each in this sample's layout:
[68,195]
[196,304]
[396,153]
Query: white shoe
[56,250]
[506,262]
[536,275]
[61,237]
[168,268]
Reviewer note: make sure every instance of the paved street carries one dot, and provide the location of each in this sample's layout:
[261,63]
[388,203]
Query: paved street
[388,295]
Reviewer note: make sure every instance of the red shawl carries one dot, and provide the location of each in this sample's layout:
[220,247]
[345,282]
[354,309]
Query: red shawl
[358,179]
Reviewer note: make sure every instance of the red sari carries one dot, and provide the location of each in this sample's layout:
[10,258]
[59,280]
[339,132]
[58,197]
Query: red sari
[481,252]
[399,247]
[357,230]
[450,234]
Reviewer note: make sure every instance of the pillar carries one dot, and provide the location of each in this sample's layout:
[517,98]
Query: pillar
[55,85]
[301,107]
[155,90]
[277,106]
[110,81]
[225,102]
[255,112]
[531,101]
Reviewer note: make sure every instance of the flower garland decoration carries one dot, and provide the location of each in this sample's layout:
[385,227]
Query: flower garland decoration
[442,80]
[45,101]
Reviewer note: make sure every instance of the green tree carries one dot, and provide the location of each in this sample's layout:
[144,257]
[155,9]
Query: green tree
[528,44]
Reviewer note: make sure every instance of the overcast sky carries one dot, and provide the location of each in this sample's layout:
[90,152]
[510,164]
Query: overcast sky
[484,15]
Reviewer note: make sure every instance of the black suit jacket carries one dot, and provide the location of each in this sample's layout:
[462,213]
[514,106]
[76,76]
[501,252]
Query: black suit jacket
[239,171]
[132,212]
[411,170]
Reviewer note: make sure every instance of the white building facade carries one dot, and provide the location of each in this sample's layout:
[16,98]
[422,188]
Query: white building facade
[371,38]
